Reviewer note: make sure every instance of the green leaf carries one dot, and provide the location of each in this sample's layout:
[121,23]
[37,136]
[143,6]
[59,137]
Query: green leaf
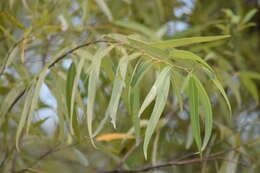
[251,87]
[103,6]
[194,111]
[92,87]
[186,41]
[183,54]
[137,27]
[140,70]
[154,90]
[249,15]
[118,86]
[214,79]
[134,94]
[69,86]
[35,97]
[22,122]
[247,80]
[13,20]
[11,55]
[251,74]
[205,101]
[160,103]
[9,99]
[176,89]
[73,80]
[152,51]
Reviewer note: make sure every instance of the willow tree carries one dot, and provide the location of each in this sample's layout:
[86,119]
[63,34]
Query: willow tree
[94,86]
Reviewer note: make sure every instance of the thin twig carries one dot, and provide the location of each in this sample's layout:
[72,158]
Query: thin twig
[214,156]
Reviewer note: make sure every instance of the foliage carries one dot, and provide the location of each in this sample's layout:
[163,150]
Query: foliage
[125,89]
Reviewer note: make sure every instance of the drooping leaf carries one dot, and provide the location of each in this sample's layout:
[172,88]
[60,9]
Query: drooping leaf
[177,90]
[118,86]
[13,20]
[183,54]
[23,119]
[10,98]
[134,94]
[194,111]
[154,90]
[35,97]
[103,6]
[160,102]
[215,80]
[205,101]
[73,79]
[92,87]
[69,86]
[186,41]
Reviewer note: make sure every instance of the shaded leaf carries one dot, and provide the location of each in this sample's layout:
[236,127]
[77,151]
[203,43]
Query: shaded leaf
[194,111]
[205,101]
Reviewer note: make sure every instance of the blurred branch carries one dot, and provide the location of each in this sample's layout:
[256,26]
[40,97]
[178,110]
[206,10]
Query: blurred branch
[214,156]
[43,156]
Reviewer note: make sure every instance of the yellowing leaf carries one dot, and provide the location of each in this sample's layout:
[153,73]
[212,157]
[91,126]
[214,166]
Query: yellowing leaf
[113,136]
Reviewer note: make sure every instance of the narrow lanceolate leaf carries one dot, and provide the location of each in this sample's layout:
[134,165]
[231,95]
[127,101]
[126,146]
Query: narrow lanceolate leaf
[69,85]
[134,94]
[103,6]
[160,103]
[205,101]
[92,87]
[177,90]
[194,111]
[251,74]
[13,20]
[183,54]
[215,80]
[118,86]
[154,90]
[34,99]
[186,41]
[152,51]
[249,15]
[250,86]
[117,89]
[73,89]
[11,54]
[9,100]
[137,27]
[23,119]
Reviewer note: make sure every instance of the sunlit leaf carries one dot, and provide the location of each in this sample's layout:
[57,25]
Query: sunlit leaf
[186,41]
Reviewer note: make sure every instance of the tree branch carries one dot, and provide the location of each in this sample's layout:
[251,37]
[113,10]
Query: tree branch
[214,156]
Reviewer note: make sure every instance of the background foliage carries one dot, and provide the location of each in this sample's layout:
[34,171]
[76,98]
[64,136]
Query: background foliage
[70,67]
